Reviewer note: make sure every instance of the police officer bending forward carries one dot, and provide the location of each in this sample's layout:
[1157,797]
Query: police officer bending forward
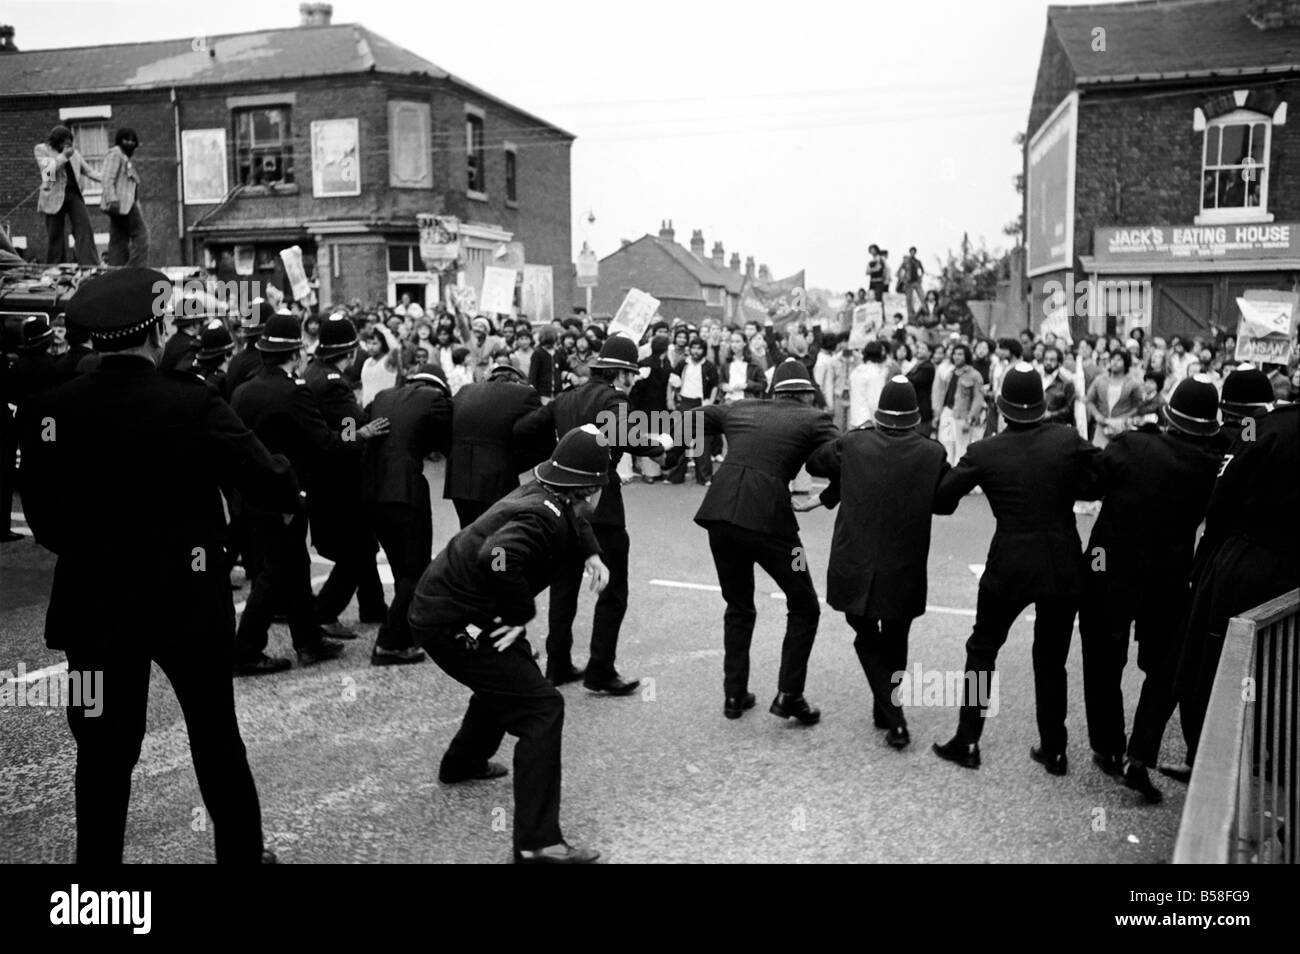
[469,613]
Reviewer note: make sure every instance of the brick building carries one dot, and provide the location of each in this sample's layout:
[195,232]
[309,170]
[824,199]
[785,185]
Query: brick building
[324,136]
[1160,164]
[688,283]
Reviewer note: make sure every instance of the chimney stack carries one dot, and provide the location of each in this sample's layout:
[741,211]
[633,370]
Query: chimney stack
[719,256]
[666,232]
[697,243]
[734,264]
[749,266]
[7,40]
[316,14]
[764,273]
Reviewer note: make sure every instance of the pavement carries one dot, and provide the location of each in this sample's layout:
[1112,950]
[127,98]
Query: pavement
[345,755]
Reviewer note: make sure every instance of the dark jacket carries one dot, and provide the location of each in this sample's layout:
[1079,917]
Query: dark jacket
[546,372]
[338,523]
[1155,488]
[1031,475]
[485,461]
[140,558]
[33,372]
[78,359]
[886,481]
[595,402]
[708,374]
[496,566]
[755,380]
[651,393]
[244,366]
[922,378]
[392,465]
[1060,397]
[284,415]
[767,443]
[178,352]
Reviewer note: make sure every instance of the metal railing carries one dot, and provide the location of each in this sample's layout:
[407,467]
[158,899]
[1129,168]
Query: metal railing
[1242,804]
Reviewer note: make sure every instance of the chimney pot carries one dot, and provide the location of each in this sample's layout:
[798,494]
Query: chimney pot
[316,14]
[719,256]
[697,243]
[666,232]
[734,263]
[7,39]
[749,266]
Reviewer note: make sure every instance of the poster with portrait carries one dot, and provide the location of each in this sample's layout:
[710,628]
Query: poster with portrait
[335,158]
[439,239]
[203,166]
[538,296]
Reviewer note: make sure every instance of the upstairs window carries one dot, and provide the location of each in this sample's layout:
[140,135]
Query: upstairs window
[477,160]
[405,258]
[512,170]
[263,146]
[1234,176]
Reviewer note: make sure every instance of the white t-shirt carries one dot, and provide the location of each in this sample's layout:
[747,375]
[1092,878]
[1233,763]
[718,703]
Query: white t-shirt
[693,380]
[737,377]
[865,384]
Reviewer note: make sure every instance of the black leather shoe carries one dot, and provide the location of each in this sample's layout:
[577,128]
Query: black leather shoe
[336,630]
[1112,765]
[613,686]
[1179,773]
[10,537]
[1056,763]
[967,756]
[733,707]
[489,771]
[263,665]
[790,706]
[560,854]
[1136,778]
[397,657]
[561,677]
[898,738]
[269,858]
[319,651]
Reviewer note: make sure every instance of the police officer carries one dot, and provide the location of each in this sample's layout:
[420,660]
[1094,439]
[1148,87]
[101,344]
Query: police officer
[278,406]
[1248,554]
[598,402]
[35,368]
[1247,394]
[886,475]
[213,357]
[1156,487]
[248,362]
[485,459]
[1032,474]
[339,528]
[747,513]
[179,351]
[469,613]
[137,578]
[79,358]
[396,495]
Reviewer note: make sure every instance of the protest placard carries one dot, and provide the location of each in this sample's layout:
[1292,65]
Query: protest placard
[1266,333]
[634,315]
[1057,323]
[295,273]
[439,239]
[867,320]
[498,295]
[537,297]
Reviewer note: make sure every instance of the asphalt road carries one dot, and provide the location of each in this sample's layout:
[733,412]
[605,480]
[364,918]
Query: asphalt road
[345,755]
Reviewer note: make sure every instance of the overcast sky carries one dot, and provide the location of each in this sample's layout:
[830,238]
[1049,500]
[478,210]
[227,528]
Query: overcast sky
[796,132]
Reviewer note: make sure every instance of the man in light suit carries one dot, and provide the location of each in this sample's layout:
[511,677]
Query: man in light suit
[128,235]
[60,198]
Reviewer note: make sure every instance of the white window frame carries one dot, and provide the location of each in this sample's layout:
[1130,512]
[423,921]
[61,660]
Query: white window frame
[1253,213]
[91,191]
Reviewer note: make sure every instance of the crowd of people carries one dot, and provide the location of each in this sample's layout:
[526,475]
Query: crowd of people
[322,425]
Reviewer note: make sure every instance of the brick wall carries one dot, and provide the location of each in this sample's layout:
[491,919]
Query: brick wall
[642,265]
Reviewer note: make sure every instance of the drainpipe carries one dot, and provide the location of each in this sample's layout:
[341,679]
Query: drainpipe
[180,181]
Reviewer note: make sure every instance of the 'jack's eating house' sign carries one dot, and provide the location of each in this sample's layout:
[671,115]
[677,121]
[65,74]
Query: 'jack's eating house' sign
[1168,244]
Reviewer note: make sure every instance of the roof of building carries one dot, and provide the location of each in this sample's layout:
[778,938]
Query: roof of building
[1169,39]
[701,269]
[255,57]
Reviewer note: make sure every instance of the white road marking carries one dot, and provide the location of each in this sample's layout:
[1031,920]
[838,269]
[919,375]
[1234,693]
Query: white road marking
[677,584]
[43,673]
[977,569]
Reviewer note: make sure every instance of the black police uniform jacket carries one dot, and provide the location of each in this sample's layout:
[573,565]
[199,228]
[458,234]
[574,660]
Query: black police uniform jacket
[33,372]
[338,523]
[885,482]
[485,462]
[593,402]
[78,359]
[767,443]
[244,366]
[178,351]
[1155,489]
[1031,476]
[284,415]
[496,566]
[126,495]
[392,464]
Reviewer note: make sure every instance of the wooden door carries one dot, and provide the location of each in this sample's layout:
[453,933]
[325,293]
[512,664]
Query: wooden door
[1183,306]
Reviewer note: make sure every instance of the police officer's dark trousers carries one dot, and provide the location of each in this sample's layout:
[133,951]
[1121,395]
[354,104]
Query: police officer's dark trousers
[108,744]
[881,645]
[735,552]
[1157,612]
[1053,627]
[406,534]
[353,572]
[510,695]
[283,581]
[611,607]
[467,511]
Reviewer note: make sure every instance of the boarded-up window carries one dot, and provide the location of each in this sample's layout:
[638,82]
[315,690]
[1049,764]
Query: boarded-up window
[409,147]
